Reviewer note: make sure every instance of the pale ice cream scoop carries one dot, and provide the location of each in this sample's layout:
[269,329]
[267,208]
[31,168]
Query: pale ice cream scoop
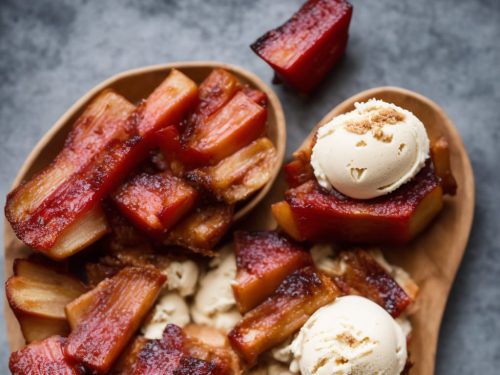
[171,308]
[182,277]
[351,336]
[214,302]
[370,151]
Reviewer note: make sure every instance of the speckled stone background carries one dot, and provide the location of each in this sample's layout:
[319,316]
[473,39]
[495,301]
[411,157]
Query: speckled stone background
[52,52]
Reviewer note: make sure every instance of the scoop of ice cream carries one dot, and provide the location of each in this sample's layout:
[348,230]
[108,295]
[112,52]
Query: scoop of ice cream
[171,308]
[352,335]
[214,303]
[370,151]
[182,277]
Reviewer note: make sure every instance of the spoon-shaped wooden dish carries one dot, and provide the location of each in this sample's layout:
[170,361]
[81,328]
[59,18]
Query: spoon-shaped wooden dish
[433,258]
[135,85]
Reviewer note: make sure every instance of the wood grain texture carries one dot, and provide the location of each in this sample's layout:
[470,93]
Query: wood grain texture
[433,257]
[135,85]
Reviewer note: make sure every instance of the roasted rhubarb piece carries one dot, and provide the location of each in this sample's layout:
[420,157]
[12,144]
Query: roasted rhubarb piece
[166,105]
[236,177]
[155,202]
[283,214]
[214,92]
[234,126]
[393,219]
[211,345]
[99,125]
[365,276]
[257,96]
[202,229]
[305,48]
[84,190]
[283,313]
[264,260]
[38,294]
[203,137]
[195,366]
[161,356]
[170,356]
[125,364]
[104,319]
[299,170]
[43,358]
[80,234]
[440,154]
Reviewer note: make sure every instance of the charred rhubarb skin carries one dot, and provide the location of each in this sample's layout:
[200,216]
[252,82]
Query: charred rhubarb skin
[170,356]
[166,105]
[283,313]
[84,190]
[161,356]
[240,175]
[365,276]
[155,202]
[104,319]
[214,92]
[102,123]
[216,104]
[299,170]
[125,364]
[42,358]
[239,122]
[211,345]
[264,260]
[202,229]
[304,49]
[392,219]
[234,126]
[194,366]
[38,294]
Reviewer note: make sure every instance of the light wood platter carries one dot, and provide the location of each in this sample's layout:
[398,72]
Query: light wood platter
[134,85]
[433,258]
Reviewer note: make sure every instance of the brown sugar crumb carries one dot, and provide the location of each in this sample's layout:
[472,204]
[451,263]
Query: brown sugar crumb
[341,360]
[387,116]
[361,144]
[381,136]
[378,118]
[350,340]
[359,127]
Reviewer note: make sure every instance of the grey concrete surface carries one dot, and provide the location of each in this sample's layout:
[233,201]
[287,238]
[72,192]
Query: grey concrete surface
[52,52]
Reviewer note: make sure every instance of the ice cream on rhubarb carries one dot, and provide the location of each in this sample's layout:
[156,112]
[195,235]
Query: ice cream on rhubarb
[370,151]
[352,335]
